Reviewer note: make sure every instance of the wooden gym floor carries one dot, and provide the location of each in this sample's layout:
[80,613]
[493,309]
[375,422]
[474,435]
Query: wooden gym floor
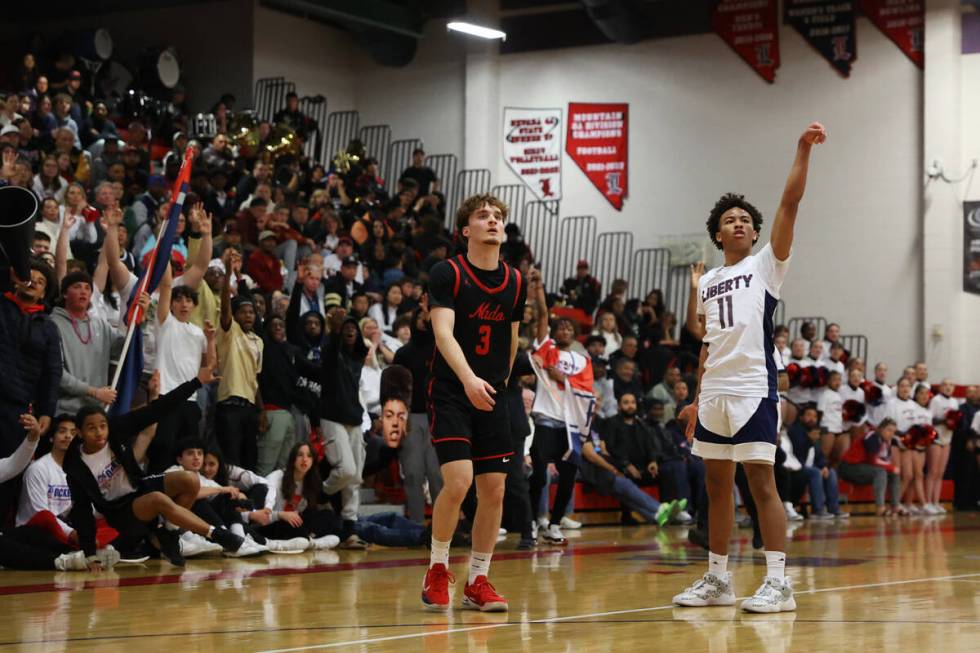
[863,586]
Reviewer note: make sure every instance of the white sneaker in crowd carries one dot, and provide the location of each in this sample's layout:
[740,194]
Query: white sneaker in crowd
[325,543]
[683,517]
[940,508]
[193,545]
[77,561]
[791,514]
[543,521]
[248,549]
[710,589]
[553,535]
[774,595]
[570,524]
[293,545]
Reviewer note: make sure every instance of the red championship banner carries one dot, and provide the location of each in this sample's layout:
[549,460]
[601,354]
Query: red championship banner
[597,140]
[903,21]
[751,28]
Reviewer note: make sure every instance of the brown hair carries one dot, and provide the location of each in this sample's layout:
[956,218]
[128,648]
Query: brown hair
[473,203]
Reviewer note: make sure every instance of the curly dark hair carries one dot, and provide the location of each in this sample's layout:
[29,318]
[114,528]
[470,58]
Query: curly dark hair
[726,202]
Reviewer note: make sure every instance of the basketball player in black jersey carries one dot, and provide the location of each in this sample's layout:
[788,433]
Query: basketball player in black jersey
[476,302]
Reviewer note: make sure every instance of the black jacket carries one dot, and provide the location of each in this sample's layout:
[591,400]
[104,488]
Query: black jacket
[627,446]
[416,355]
[30,349]
[341,379]
[123,429]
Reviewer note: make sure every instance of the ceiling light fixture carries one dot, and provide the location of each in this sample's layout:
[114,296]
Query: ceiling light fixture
[476,30]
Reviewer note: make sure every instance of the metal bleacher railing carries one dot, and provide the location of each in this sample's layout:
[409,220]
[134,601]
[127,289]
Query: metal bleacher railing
[341,130]
[857,345]
[444,165]
[270,95]
[376,139]
[612,257]
[795,323]
[399,157]
[576,238]
[513,196]
[316,108]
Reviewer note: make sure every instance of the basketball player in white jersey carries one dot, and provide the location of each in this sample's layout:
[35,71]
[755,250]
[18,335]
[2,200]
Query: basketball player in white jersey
[737,405]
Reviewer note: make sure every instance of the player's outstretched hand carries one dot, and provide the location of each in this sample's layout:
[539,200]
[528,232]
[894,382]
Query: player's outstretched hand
[480,393]
[815,134]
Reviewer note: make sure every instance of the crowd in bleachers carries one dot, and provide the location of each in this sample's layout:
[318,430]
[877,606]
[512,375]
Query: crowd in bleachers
[285,360]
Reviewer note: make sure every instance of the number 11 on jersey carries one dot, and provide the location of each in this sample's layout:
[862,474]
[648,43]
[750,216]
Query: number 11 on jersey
[722,302]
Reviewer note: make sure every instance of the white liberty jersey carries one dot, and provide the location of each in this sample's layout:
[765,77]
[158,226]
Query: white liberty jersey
[738,303]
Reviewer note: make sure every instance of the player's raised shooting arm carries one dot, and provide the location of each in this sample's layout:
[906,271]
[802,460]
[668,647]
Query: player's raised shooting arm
[443,322]
[782,226]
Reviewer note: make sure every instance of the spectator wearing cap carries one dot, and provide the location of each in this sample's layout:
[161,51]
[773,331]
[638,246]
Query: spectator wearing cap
[264,266]
[583,290]
[240,359]
[333,261]
[345,283]
[86,341]
[74,90]
[230,237]
[30,348]
[179,143]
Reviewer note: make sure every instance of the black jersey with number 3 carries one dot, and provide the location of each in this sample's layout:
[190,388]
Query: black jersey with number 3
[486,304]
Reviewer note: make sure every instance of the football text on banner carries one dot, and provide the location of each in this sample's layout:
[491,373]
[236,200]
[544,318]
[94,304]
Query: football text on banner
[532,149]
[751,29]
[827,25]
[903,21]
[597,140]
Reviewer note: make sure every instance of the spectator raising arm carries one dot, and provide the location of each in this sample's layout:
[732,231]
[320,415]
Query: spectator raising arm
[199,251]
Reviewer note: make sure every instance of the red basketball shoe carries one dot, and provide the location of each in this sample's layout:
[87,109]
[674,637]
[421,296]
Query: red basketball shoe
[435,588]
[483,597]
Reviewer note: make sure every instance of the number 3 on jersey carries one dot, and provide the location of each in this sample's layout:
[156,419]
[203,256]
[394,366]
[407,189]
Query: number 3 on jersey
[722,302]
[483,348]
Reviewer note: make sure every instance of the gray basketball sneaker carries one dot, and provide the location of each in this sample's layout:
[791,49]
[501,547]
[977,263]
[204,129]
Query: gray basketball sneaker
[773,595]
[710,589]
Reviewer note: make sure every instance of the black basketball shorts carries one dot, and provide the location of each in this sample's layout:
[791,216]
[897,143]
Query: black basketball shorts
[462,432]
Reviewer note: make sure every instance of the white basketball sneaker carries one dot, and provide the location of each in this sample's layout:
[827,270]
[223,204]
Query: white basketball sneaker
[710,589]
[774,595]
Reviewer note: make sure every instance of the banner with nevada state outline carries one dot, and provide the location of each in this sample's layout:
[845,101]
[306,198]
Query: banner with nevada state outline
[751,28]
[827,25]
[532,149]
[903,21]
[598,135]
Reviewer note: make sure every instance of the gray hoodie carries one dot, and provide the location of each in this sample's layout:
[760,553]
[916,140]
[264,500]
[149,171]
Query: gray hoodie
[86,365]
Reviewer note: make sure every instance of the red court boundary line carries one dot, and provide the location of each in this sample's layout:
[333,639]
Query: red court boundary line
[204,576]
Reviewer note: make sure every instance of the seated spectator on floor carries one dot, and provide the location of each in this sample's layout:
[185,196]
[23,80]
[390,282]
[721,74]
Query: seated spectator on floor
[869,462]
[672,469]
[45,486]
[104,473]
[597,467]
[805,436]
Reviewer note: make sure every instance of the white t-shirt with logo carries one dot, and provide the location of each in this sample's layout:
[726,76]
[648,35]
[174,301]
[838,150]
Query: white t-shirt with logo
[905,412]
[45,488]
[179,349]
[109,474]
[738,303]
[831,407]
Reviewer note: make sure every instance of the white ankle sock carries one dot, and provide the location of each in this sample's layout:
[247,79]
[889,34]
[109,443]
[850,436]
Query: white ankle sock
[210,532]
[440,553]
[237,529]
[776,564]
[717,564]
[479,565]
